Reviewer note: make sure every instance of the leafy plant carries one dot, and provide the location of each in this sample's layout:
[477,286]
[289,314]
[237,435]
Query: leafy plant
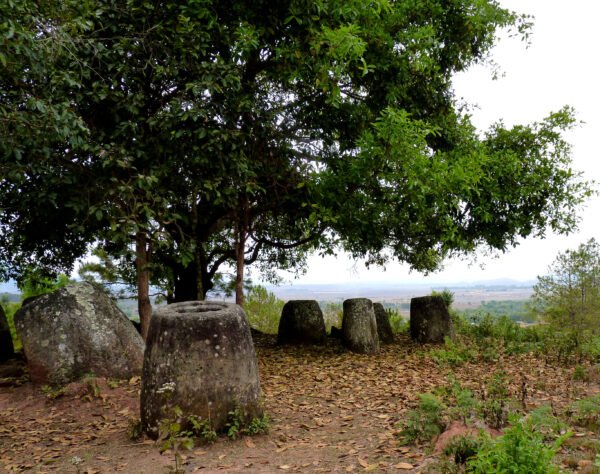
[135,430]
[398,323]
[463,448]
[425,422]
[586,412]
[202,429]
[494,406]
[53,392]
[453,353]
[520,450]
[580,374]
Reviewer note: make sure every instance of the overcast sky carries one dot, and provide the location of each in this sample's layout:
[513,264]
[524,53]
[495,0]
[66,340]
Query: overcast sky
[560,67]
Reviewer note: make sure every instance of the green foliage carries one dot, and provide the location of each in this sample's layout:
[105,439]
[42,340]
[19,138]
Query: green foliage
[544,422]
[495,404]
[202,429]
[35,283]
[238,424]
[261,131]
[454,353]
[586,412]
[52,392]
[9,310]
[463,448]
[263,309]
[568,298]
[519,449]
[580,374]
[446,295]
[425,422]
[398,323]
[517,310]
[462,404]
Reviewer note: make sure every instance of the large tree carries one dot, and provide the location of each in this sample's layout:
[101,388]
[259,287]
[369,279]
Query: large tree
[242,132]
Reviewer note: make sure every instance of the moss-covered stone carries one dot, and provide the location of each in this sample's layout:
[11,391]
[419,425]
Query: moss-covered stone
[78,330]
[7,350]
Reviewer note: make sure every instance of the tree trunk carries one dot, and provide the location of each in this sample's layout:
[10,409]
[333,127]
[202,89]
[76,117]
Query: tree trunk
[242,230]
[142,258]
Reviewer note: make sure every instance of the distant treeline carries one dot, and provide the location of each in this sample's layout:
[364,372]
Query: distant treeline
[517,310]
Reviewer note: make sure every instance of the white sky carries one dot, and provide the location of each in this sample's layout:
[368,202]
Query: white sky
[560,67]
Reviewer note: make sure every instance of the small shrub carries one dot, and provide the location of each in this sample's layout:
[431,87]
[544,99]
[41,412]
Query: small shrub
[520,449]
[463,404]
[135,430]
[398,323]
[494,406]
[425,422]
[258,425]
[463,448]
[586,412]
[52,392]
[546,424]
[202,429]
[452,354]
[580,374]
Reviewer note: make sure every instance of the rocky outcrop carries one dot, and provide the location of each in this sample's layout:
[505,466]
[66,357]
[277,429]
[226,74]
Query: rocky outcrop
[359,326]
[7,350]
[384,328]
[301,323]
[430,320]
[200,358]
[78,330]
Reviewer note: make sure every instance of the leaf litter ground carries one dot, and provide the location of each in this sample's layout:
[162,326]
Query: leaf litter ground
[330,410]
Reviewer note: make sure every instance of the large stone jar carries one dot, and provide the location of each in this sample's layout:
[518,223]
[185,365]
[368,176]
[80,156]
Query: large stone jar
[301,323]
[359,326]
[199,359]
[430,320]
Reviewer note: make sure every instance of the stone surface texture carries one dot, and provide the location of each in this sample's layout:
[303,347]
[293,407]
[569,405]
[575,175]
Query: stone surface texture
[78,330]
[384,328]
[199,357]
[7,350]
[359,326]
[430,320]
[301,323]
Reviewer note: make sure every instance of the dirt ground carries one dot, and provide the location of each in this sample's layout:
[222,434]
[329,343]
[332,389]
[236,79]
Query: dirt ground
[330,410]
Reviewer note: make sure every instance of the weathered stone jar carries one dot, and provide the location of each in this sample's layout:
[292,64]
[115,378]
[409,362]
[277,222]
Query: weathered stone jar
[200,358]
[359,326]
[301,323]
[430,320]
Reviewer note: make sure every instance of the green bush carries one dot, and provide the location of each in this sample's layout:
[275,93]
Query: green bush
[586,412]
[425,422]
[463,448]
[520,450]
[263,309]
[453,353]
[399,323]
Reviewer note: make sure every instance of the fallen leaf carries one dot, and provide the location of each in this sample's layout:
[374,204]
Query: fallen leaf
[403,465]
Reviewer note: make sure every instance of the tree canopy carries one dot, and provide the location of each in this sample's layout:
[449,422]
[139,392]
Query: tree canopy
[253,132]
